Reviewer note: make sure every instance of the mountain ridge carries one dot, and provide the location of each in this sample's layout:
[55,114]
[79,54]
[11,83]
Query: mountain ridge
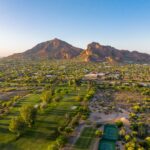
[97,52]
[58,49]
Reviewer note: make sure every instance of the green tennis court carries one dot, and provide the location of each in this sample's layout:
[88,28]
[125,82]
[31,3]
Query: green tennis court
[111,132]
[106,145]
[110,136]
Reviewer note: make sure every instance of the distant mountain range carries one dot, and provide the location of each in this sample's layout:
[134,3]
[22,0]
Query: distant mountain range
[58,49]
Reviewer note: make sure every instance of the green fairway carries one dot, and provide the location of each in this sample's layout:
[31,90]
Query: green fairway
[85,139]
[43,132]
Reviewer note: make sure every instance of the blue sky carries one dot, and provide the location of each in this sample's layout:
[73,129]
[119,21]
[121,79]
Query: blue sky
[124,24]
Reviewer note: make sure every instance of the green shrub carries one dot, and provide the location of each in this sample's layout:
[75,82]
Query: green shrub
[119,123]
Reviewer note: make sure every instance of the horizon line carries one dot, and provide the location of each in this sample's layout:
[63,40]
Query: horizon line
[74,45]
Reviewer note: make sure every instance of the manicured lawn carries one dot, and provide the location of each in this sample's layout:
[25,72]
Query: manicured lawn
[85,139]
[43,132]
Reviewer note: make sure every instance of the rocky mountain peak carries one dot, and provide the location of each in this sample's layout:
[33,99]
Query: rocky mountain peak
[94,45]
[58,49]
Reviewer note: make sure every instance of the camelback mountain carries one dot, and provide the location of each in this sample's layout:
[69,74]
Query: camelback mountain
[53,49]
[58,49]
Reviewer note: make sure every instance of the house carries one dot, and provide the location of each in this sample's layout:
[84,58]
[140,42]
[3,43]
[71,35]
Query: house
[113,75]
[49,76]
[94,75]
[144,84]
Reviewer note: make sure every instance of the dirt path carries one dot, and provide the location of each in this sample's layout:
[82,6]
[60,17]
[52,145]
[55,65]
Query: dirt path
[74,137]
[112,117]
[99,116]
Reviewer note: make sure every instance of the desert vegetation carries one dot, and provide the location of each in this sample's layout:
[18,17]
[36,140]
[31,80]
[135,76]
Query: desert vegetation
[52,103]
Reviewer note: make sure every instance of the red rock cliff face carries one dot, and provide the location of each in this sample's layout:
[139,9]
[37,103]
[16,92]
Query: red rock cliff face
[97,52]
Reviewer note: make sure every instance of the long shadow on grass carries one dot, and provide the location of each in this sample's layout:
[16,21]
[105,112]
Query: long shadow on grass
[6,118]
[14,113]
[8,146]
[18,105]
[4,124]
[57,112]
[50,123]
[40,135]
[4,130]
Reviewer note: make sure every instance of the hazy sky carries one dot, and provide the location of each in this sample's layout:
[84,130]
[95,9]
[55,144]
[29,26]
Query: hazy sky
[124,24]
